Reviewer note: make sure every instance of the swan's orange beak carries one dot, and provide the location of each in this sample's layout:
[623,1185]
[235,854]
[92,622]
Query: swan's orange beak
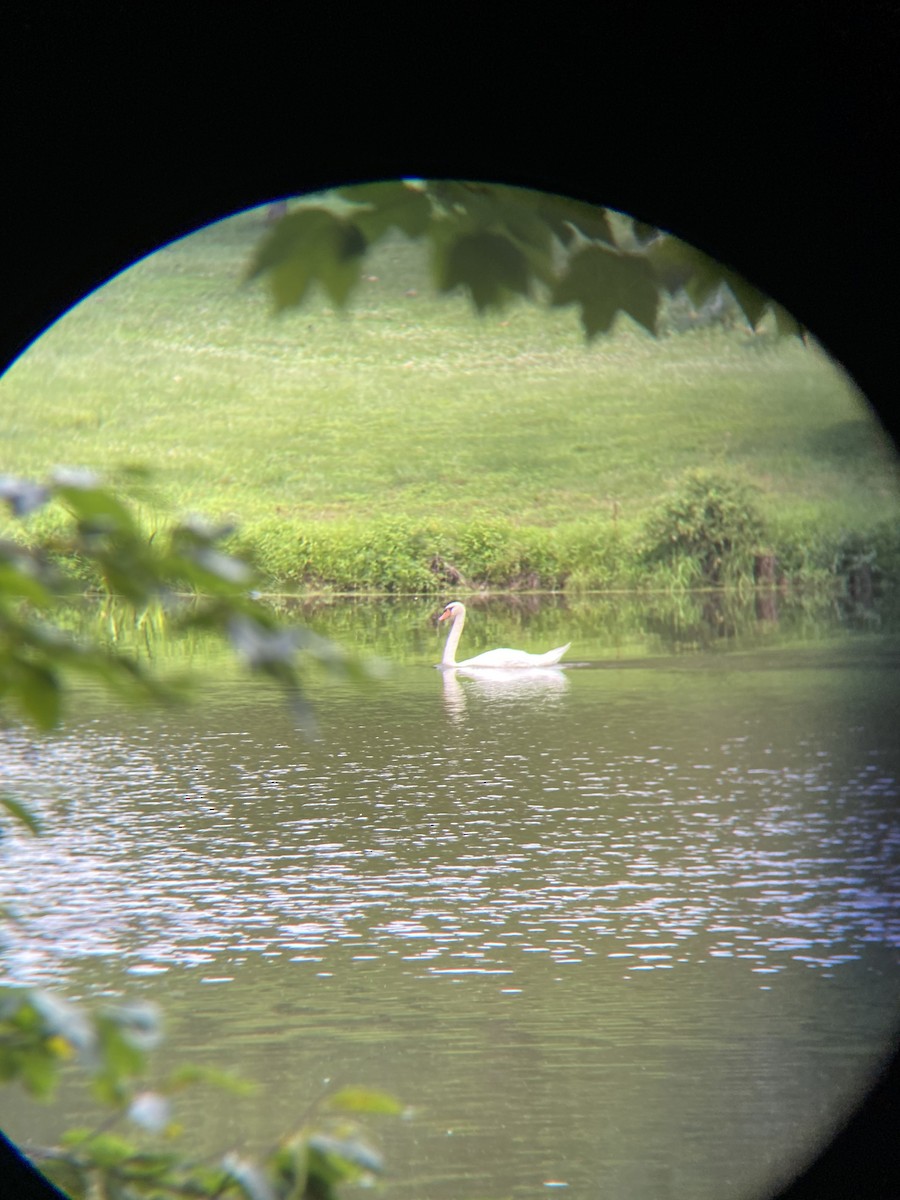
[445,614]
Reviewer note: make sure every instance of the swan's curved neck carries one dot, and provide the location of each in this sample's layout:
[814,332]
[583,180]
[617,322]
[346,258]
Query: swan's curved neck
[456,628]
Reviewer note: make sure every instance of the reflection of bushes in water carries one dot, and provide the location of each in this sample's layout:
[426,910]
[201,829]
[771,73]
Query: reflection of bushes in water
[701,621]
[404,629]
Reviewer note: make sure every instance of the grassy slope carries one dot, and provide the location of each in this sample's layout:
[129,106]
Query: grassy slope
[412,405]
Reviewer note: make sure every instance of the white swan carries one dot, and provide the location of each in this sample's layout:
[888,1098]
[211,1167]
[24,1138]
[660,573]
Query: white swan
[491,658]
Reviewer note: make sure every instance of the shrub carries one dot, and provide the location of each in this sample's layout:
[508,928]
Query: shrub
[595,556]
[712,524]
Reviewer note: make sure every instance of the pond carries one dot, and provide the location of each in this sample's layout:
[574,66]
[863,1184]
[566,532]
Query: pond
[628,929]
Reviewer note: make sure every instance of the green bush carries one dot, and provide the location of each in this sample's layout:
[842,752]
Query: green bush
[402,555]
[709,529]
[805,550]
[495,553]
[598,556]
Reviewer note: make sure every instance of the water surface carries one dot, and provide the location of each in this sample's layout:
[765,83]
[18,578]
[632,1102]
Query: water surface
[630,927]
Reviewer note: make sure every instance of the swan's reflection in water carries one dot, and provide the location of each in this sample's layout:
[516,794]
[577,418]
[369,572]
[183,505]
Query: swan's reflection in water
[534,684]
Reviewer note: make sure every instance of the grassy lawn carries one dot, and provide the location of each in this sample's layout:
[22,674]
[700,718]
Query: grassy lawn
[411,406]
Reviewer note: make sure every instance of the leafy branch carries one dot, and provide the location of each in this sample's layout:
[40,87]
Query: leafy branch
[497,243]
[182,572]
[185,573]
[40,1034]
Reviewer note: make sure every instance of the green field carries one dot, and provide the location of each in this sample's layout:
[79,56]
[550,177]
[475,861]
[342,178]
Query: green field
[409,420]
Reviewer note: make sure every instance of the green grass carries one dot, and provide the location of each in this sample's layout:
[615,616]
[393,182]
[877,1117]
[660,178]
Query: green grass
[409,407]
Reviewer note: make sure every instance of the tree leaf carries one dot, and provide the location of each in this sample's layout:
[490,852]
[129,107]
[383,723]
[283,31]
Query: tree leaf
[226,1080]
[109,1150]
[603,282]
[139,1023]
[249,1178]
[18,578]
[363,1100]
[38,690]
[517,214]
[22,496]
[150,1111]
[676,266]
[22,814]
[94,506]
[644,233]
[64,1019]
[488,265]
[339,271]
[785,322]
[38,1074]
[752,302]
[310,244]
[567,219]
[343,1158]
[383,206]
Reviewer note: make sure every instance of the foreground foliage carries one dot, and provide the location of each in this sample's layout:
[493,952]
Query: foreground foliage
[102,545]
[120,1159]
[41,1034]
[495,243]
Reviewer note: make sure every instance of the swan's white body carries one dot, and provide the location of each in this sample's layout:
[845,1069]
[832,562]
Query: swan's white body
[491,658]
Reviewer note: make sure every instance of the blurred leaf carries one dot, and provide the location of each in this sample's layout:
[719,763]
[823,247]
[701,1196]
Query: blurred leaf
[363,1100]
[569,218]
[643,232]
[338,1159]
[399,205]
[64,1019]
[226,1080]
[19,578]
[226,568]
[465,205]
[59,1047]
[96,508]
[76,1135]
[249,1178]
[65,1175]
[125,1034]
[109,1150]
[38,691]
[75,477]
[603,282]
[519,215]
[22,496]
[139,1022]
[309,245]
[260,646]
[38,1075]
[488,265]
[786,324]
[150,1111]
[290,1164]
[22,814]
[751,301]
[676,266]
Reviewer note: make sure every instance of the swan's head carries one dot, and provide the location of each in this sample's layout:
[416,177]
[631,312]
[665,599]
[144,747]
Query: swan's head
[451,610]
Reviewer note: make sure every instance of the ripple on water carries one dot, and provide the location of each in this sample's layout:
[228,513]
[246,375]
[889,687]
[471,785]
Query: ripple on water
[226,845]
